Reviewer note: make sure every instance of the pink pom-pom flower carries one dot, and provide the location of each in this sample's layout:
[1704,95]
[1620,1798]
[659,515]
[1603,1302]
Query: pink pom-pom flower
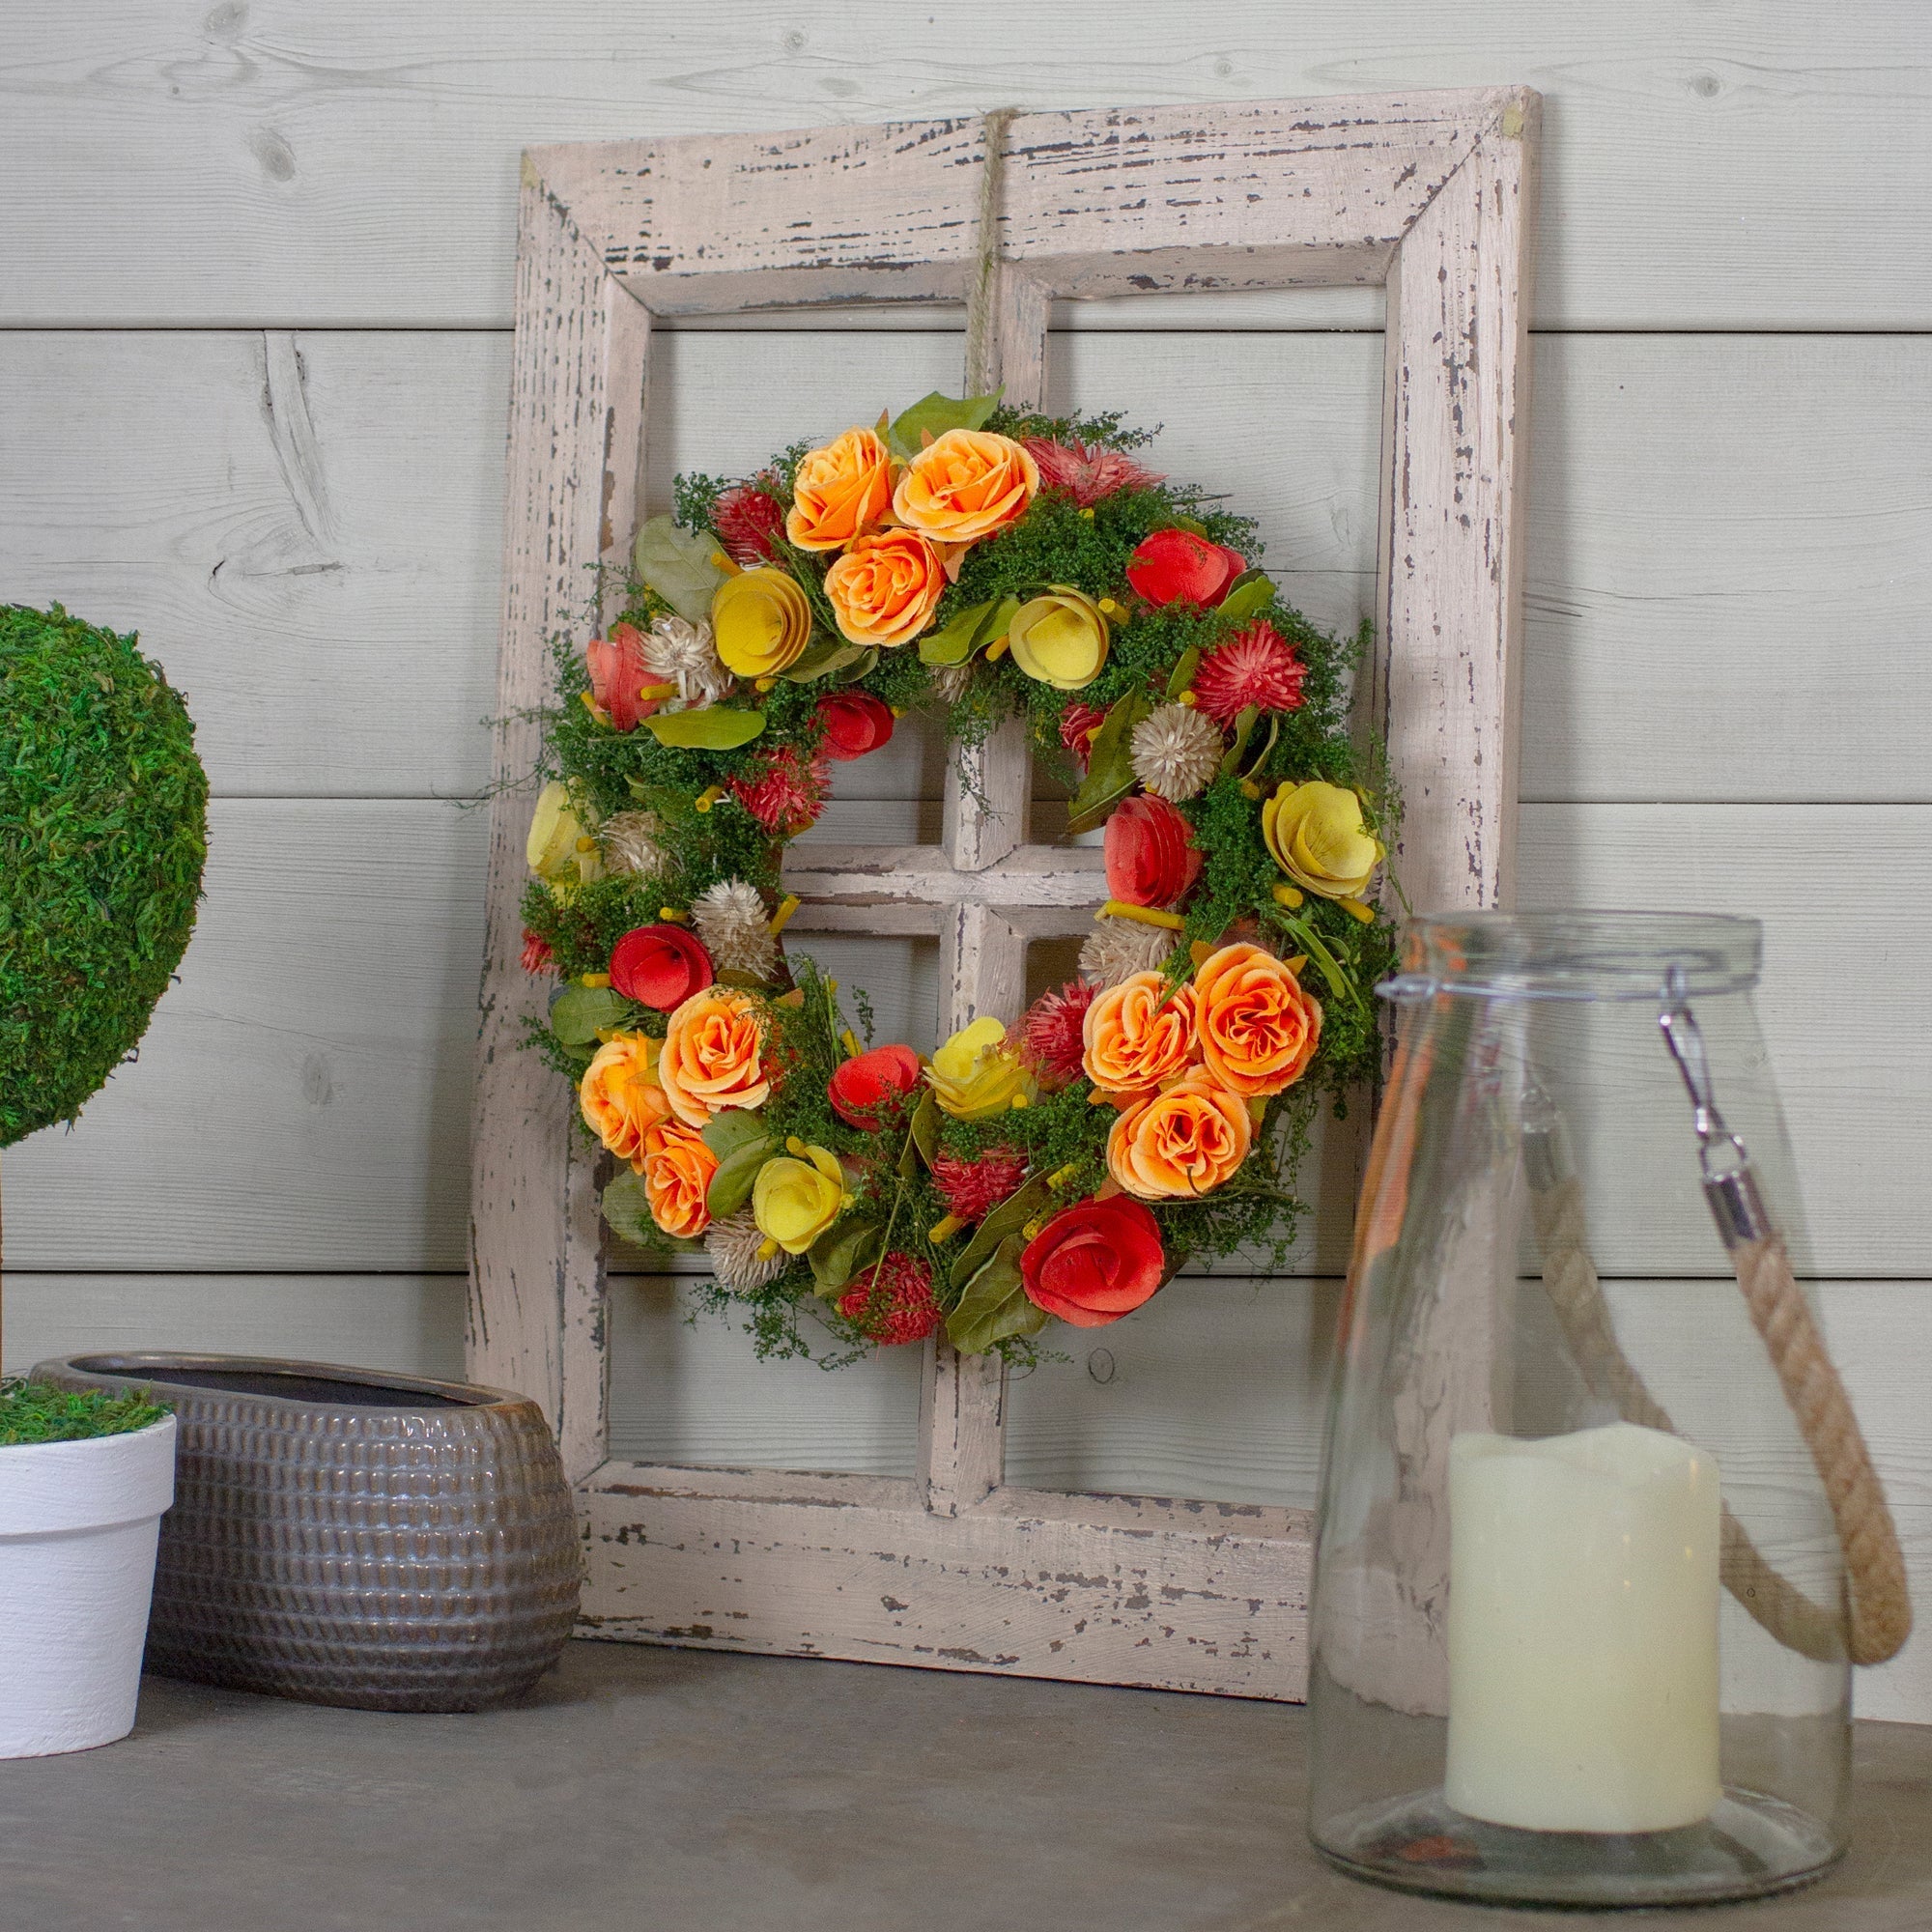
[1257,666]
[1086,475]
[893,1300]
[973,1188]
[785,792]
[747,519]
[1051,1034]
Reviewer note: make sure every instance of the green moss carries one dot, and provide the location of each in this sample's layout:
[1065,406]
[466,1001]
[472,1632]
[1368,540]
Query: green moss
[39,1412]
[102,836]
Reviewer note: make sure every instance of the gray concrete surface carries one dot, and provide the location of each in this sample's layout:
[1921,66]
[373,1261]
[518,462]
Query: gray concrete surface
[680,1791]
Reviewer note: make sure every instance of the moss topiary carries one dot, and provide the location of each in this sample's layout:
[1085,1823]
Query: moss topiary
[39,1412]
[103,829]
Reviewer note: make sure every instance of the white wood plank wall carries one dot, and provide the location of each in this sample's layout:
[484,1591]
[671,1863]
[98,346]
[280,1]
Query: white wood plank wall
[253,370]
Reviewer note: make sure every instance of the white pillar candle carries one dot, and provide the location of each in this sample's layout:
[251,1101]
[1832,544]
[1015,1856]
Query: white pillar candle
[1583,1630]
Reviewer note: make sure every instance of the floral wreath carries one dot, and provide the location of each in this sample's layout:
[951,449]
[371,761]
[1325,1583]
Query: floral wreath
[994,562]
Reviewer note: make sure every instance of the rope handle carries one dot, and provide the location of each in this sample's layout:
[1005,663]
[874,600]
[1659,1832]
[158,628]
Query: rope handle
[1880,1599]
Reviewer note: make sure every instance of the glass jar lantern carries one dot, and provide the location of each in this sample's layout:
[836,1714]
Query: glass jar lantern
[1584,1617]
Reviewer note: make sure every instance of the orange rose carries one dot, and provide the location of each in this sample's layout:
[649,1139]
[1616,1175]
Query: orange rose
[621,1097]
[1139,1033]
[883,588]
[839,490]
[967,485]
[1182,1141]
[1259,1029]
[678,1173]
[713,1055]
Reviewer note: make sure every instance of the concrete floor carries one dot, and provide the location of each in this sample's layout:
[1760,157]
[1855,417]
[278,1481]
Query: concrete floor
[680,1791]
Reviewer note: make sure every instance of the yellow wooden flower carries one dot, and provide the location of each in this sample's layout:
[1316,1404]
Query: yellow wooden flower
[977,1076]
[1060,638]
[795,1199]
[558,848]
[759,622]
[1317,835]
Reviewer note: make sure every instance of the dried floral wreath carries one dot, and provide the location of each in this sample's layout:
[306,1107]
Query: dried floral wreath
[993,562]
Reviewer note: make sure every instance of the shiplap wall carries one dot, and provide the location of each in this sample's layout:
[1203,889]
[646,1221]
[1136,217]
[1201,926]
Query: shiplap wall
[252,390]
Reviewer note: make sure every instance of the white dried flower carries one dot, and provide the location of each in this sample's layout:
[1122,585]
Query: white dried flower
[679,652]
[1175,750]
[949,681]
[630,841]
[736,929]
[1117,949]
[733,1243]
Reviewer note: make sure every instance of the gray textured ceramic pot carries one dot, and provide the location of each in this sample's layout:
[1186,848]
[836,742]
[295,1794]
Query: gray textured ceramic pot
[349,1537]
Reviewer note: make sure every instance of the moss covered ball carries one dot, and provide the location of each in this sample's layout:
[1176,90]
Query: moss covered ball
[104,828]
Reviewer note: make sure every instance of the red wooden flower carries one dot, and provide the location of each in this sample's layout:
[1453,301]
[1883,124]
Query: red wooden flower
[1094,1261]
[1177,567]
[864,1089]
[660,966]
[855,723]
[537,955]
[1151,858]
[618,676]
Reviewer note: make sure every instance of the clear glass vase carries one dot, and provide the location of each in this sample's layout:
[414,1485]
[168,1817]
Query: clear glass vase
[1579,1632]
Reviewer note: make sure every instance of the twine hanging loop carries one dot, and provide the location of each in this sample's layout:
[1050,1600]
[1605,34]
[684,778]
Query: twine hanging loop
[982,286]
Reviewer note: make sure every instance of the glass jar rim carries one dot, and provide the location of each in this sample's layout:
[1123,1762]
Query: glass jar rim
[1577,955]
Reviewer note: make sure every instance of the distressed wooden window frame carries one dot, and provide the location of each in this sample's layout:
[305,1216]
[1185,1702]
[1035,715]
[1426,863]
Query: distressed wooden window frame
[1428,194]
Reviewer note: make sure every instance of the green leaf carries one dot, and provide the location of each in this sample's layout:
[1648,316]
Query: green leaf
[1261,758]
[735,1127]
[997,624]
[840,1253]
[861,667]
[822,658]
[954,644]
[579,1013]
[937,413]
[1251,591]
[1110,764]
[1244,729]
[1193,525]
[677,564]
[714,727]
[1309,941]
[731,1185]
[971,630]
[925,1125]
[1007,1218]
[1183,672]
[628,1210]
[995,1304]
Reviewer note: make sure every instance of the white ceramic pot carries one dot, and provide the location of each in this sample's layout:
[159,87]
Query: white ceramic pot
[79,1523]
